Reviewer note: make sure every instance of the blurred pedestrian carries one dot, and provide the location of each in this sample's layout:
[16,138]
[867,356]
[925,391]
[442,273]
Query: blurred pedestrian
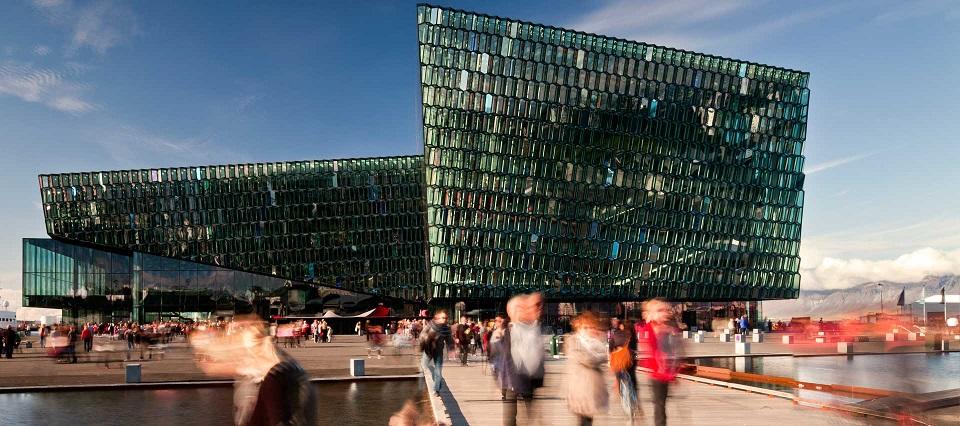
[661,348]
[623,347]
[461,337]
[586,349]
[496,349]
[9,341]
[744,325]
[521,355]
[271,387]
[433,341]
[375,339]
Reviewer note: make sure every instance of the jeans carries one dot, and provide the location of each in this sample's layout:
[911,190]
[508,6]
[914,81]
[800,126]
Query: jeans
[660,391]
[464,351]
[433,364]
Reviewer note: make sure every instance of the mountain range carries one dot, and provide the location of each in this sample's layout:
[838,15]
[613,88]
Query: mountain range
[858,300]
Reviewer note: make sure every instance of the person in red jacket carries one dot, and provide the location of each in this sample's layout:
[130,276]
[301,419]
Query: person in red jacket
[87,336]
[661,346]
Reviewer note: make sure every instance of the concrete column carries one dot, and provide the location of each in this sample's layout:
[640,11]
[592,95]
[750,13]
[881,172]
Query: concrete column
[742,348]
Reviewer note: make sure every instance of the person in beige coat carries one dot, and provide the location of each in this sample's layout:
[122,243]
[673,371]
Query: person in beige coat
[586,349]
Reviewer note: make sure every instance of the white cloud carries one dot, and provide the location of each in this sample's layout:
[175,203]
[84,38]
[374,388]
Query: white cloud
[71,104]
[834,273]
[692,24]
[897,252]
[98,25]
[41,50]
[53,88]
[816,168]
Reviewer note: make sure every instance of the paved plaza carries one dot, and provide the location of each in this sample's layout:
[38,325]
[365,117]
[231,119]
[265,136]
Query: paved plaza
[34,368]
[472,398]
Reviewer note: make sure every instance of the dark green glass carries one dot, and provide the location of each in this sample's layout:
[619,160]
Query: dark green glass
[355,224]
[590,167]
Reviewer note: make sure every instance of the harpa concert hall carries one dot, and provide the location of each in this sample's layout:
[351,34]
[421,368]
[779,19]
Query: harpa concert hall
[590,168]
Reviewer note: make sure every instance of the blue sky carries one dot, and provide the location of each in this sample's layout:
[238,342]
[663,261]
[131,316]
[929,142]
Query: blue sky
[112,84]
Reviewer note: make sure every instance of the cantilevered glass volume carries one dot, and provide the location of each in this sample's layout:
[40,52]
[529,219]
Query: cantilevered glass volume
[355,224]
[591,167]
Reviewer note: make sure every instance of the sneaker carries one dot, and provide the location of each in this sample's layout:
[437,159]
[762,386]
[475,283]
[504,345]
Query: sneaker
[436,394]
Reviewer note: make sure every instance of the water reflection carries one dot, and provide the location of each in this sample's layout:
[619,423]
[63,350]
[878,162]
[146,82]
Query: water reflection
[343,404]
[912,373]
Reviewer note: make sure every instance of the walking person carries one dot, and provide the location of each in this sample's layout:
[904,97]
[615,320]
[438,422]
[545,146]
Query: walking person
[744,325]
[87,336]
[357,329]
[271,388]
[586,349]
[461,337]
[44,330]
[521,355]
[9,341]
[72,344]
[661,348]
[623,346]
[433,340]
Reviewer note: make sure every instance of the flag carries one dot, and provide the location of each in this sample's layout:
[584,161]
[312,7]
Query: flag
[900,299]
[943,295]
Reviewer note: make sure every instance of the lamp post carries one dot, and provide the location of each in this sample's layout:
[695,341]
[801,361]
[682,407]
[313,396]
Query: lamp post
[881,299]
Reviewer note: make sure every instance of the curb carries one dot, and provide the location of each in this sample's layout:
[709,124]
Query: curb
[185,384]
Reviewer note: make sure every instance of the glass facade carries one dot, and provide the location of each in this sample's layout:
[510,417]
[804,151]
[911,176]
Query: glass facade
[586,167]
[356,224]
[91,284]
[590,167]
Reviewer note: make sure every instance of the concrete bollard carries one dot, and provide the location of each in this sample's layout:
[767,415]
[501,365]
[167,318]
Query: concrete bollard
[787,340]
[700,332]
[686,334]
[724,337]
[912,336]
[740,338]
[743,348]
[698,338]
[357,367]
[844,348]
[756,331]
[820,340]
[820,333]
[757,338]
[133,373]
[892,337]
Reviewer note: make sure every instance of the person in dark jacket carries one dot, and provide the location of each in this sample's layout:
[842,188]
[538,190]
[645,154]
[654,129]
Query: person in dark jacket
[9,341]
[271,387]
[433,342]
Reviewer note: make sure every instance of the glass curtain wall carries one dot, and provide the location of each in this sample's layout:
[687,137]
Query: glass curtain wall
[590,167]
[355,224]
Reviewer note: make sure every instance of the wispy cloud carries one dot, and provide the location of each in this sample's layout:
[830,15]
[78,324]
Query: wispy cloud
[130,146]
[98,25]
[53,88]
[41,50]
[907,10]
[817,168]
[693,24]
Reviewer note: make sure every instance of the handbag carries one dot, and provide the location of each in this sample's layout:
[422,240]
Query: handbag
[620,359]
